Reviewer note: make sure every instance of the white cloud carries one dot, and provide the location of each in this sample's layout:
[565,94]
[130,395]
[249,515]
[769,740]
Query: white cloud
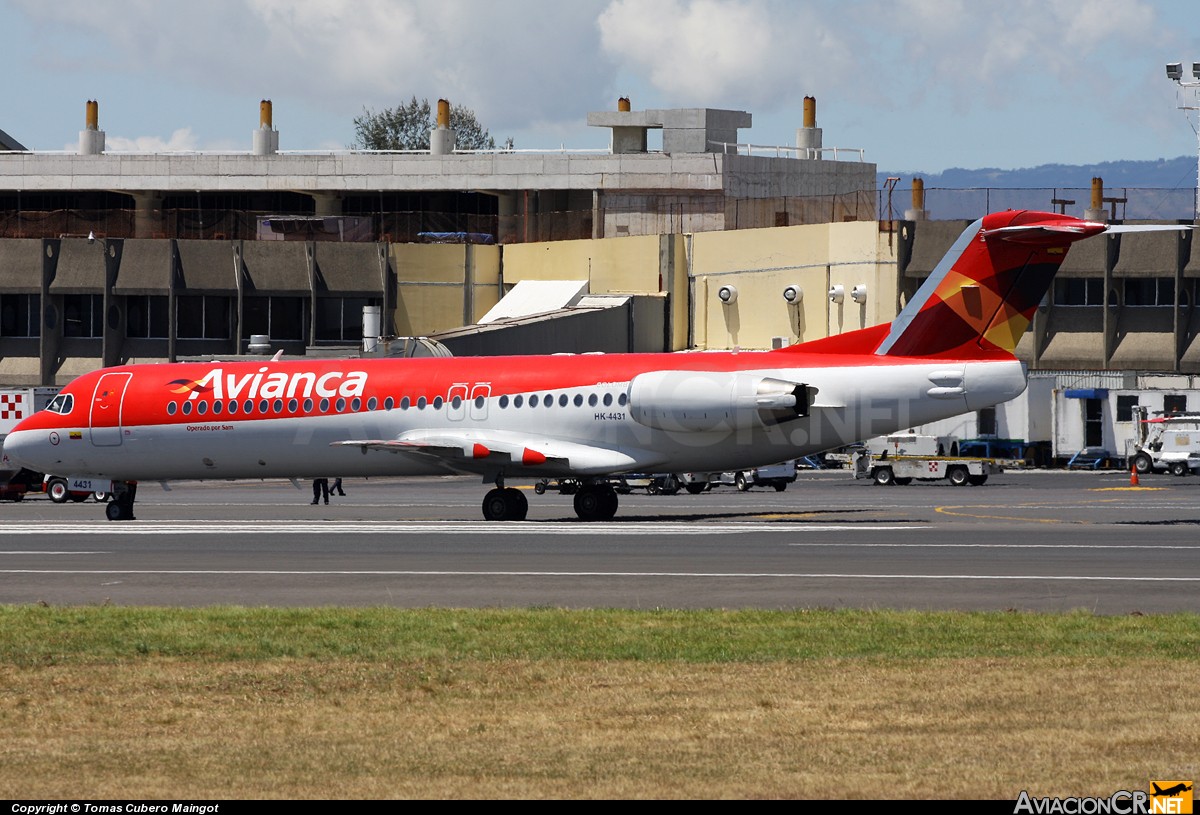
[516,62]
[182,140]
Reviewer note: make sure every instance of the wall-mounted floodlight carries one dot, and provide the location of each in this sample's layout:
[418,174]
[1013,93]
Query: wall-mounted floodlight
[859,293]
[1175,71]
[837,293]
[727,294]
[793,294]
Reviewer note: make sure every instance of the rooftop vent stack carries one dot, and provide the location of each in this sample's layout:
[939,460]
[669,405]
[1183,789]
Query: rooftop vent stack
[266,138]
[918,211]
[91,139]
[370,331]
[808,138]
[623,104]
[1096,211]
[441,138]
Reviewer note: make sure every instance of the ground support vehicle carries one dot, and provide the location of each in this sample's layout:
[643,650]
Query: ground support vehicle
[565,486]
[15,484]
[61,490]
[655,484]
[902,470]
[1166,444]
[777,476]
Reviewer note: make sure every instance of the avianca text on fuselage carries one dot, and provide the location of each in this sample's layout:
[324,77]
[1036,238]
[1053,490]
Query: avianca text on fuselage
[217,384]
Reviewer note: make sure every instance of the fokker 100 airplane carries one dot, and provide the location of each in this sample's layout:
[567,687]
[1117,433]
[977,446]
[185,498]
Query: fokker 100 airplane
[586,417]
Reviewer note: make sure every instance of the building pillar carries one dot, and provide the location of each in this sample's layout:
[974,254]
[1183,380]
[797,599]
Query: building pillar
[148,215]
[326,203]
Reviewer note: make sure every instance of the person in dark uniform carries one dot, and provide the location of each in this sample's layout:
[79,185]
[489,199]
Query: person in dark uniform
[336,489]
[320,490]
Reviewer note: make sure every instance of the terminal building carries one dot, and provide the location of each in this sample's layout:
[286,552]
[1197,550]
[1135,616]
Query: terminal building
[702,242]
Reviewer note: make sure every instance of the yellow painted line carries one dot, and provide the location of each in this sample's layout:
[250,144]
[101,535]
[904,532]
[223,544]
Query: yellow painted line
[950,511]
[1126,489]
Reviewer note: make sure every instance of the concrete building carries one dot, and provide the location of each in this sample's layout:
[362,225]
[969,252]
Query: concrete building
[109,257]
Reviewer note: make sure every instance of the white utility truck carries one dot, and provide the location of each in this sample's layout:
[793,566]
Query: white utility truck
[1166,443]
[903,458]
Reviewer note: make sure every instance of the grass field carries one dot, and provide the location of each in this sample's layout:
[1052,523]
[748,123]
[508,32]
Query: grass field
[232,703]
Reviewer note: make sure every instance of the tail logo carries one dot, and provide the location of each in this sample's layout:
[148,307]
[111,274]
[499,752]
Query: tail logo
[982,309]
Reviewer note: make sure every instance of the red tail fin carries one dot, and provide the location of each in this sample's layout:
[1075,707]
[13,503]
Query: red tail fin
[982,295]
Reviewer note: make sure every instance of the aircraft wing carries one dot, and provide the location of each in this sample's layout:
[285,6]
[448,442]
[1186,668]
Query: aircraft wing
[476,450]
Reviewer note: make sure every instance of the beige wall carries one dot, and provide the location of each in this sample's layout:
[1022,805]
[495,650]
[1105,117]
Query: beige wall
[433,280]
[612,266]
[760,263]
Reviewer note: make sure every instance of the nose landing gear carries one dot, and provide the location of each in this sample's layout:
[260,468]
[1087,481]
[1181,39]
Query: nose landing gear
[120,508]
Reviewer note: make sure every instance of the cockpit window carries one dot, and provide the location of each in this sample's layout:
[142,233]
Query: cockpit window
[61,404]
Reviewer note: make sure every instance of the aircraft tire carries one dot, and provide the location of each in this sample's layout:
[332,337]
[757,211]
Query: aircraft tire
[518,504]
[611,501]
[596,503]
[495,505]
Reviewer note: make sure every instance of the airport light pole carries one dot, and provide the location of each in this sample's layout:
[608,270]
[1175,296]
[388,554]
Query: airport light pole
[1188,90]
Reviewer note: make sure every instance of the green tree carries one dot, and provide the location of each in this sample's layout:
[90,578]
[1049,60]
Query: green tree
[406,127]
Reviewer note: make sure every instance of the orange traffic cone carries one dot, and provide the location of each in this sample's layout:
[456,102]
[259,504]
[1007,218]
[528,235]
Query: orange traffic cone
[1133,479]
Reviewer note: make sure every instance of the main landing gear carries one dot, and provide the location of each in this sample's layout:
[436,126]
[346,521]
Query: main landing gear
[596,502]
[593,502]
[120,508]
[505,504]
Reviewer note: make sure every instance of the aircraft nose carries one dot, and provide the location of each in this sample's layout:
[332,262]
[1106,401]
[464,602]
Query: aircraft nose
[23,448]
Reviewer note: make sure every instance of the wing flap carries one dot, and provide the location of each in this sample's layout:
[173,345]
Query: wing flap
[478,450]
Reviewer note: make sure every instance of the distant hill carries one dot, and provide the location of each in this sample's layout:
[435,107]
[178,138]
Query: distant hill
[1164,173]
[1160,189]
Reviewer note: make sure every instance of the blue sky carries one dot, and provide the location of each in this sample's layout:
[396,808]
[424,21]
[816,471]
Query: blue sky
[920,85]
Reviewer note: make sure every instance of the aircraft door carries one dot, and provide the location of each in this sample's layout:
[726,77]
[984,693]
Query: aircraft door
[455,411]
[480,394]
[105,414]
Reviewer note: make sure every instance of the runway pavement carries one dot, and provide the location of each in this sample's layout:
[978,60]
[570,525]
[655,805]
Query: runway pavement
[1041,540]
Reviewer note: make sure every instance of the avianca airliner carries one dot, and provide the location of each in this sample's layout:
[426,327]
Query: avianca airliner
[587,417]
